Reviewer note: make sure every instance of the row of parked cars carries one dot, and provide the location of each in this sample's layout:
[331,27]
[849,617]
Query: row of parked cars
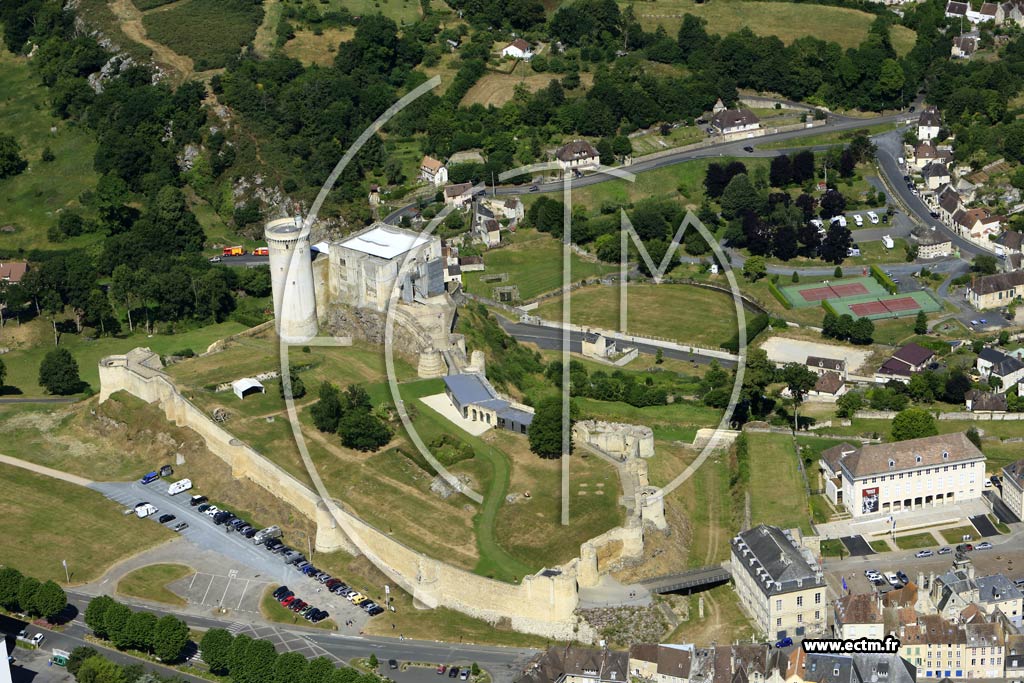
[308,612]
[339,587]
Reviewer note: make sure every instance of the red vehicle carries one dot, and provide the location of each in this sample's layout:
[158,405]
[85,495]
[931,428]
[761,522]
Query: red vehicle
[288,601]
[233,251]
[261,251]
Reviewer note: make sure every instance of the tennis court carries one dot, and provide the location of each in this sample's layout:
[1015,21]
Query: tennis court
[888,306]
[801,296]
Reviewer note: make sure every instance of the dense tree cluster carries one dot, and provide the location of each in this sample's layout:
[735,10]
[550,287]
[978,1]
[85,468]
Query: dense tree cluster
[165,637]
[845,328]
[602,386]
[19,593]
[349,414]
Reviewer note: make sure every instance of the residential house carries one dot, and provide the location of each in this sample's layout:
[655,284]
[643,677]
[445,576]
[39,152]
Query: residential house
[930,120]
[986,13]
[966,189]
[924,154]
[1013,657]
[1009,242]
[985,651]
[12,271]
[470,264]
[958,591]
[991,291]
[1009,370]
[820,366]
[661,663]
[935,175]
[935,646]
[957,10]
[889,478]
[578,156]
[931,242]
[596,345]
[568,664]
[985,401]
[459,196]
[858,615]
[518,49]
[977,224]
[778,582]
[848,668]
[1010,12]
[905,362]
[829,387]
[948,201]
[489,232]
[998,593]
[433,171]
[964,46]
[734,121]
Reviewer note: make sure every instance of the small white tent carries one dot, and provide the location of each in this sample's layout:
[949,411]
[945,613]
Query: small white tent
[245,386]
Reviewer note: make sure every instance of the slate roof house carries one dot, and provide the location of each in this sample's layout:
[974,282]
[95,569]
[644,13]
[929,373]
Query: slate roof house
[904,363]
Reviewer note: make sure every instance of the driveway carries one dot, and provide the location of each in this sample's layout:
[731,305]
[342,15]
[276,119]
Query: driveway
[985,527]
[857,545]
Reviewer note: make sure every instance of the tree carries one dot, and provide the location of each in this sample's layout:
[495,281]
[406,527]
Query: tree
[138,632]
[985,264]
[545,433]
[11,161]
[10,581]
[95,615]
[363,431]
[297,385]
[740,197]
[115,621]
[957,384]
[795,277]
[973,436]
[781,173]
[913,423]
[372,661]
[606,151]
[862,331]
[78,656]
[799,380]
[100,670]
[846,405]
[170,636]
[58,373]
[921,323]
[26,594]
[803,166]
[327,411]
[216,647]
[838,272]
[833,203]
[290,667]
[754,268]
[836,244]
[49,600]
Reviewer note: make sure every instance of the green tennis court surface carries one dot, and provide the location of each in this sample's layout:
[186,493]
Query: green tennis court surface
[885,306]
[813,293]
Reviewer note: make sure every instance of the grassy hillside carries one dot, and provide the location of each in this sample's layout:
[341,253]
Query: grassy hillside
[208,31]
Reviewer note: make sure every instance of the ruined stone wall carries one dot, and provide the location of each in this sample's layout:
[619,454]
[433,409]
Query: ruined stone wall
[543,604]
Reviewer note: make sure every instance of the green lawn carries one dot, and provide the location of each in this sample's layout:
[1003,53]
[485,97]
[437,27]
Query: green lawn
[677,137]
[833,547]
[150,583]
[683,313]
[880,546]
[777,494]
[915,541]
[29,202]
[835,137]
[788,21]
[59,521]
[533,262]
[956,535]
[23,363]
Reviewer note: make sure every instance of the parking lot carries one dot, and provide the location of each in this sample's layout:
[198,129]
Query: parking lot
[283,640]
[239,585]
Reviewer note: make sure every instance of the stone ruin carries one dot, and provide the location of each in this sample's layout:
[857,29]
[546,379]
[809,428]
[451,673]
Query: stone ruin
[623,441]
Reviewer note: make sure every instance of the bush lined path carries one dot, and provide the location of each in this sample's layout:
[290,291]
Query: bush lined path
[179,66]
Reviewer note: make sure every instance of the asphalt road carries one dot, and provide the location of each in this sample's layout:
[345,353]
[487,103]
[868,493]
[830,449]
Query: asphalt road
[551,339]
[10,400]
[247,261]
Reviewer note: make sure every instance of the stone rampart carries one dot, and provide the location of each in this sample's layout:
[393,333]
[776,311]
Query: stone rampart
[543,604]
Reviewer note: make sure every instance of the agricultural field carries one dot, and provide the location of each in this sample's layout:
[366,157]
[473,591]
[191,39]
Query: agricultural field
[207,31]
[30,201]
[533,262]
[683,313]
[788,21]
[67,522]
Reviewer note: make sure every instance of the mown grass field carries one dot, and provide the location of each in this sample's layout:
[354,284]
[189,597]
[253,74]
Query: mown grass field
[23,362]
[777,494]
[684,313]
[30,201]
[835,137]
[150,583]
[309,48]
[533,261]
[788,21]
[915,541]
[208,31]
[55,521]
[498,88]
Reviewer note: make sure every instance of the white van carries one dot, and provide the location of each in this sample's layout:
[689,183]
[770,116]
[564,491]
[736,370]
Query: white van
[858,219]
[872,216]
[145,510]
[179,486]
[840,219]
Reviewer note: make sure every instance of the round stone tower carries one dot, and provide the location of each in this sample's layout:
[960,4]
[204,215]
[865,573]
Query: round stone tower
[291,275]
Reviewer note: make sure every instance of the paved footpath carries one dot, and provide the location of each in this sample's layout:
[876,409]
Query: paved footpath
[45,471]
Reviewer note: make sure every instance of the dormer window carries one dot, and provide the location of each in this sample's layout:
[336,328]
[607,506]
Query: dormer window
[917,459]
[945,455]
[892,463]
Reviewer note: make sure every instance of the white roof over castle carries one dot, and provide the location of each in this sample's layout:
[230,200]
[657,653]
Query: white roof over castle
[384,242]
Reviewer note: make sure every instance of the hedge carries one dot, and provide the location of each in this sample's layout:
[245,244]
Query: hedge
[883,279]
[829,307]
[755,327]
[777,293]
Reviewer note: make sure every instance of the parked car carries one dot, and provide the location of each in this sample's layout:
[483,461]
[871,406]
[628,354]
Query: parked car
[163,519]
[453,672]
[38,639]
[211,511]
[166,471]
[441,668]
[892,578]
[149,478]
[287,600]
[785,642]
[180,526]
[375,611]
[250,532]
[464,675]
[945,550]
[197,500]
[748,149]
[923,553]
[984,545]
[902,576]
[392,664]
[281,590]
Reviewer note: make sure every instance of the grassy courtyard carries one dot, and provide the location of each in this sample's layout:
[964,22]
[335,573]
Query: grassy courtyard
[67,522]
[150,583]
[533,262]
[683,313]
[774,469]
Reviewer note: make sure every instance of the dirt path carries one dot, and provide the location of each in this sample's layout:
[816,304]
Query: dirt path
[45,471]
[178,66]
[266,34]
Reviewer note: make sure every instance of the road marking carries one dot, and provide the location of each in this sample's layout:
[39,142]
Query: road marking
[193,580]
[226,587]
[232,573]
[245,588]
[203,601]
